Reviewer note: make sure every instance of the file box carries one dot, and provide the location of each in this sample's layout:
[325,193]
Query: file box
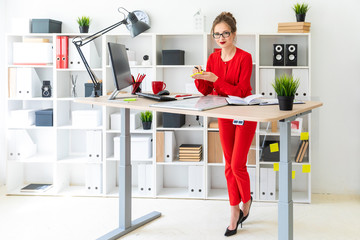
[86,118]
[44,117]
[23,117]
[173,120]
[141,147]
[173,57]
[32,53]
[45,26]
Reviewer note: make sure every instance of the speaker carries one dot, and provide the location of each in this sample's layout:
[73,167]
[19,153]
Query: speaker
[278,57]
[291,55]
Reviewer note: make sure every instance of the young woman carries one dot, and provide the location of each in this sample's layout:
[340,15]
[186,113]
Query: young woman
[228,72]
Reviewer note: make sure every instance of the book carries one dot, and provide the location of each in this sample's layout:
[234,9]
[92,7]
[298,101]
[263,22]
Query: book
[294,27]
[293,31]
[33,187]
[190,146]
[181,151]
[304,151]
[299,151]
[255,99]
[286,24]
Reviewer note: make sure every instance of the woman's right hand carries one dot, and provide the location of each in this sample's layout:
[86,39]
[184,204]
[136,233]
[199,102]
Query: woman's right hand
[197,70]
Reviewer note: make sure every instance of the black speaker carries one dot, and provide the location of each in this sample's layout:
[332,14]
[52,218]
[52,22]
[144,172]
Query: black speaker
[278,57]
[291,55]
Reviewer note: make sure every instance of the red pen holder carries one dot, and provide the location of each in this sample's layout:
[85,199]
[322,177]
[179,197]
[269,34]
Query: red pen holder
[136,87]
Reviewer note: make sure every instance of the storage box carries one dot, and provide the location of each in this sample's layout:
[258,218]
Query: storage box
[86,118]
[22,117]
[32,53]
[89,89]
[45,26]
[44,117]
[115,121]
[173,57]
[173,120]
[141,147]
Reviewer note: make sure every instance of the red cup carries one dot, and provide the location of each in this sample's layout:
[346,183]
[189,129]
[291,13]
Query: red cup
[158,86]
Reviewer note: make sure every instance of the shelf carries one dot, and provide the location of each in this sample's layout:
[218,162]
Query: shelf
[180,163]
[218,194]
[77,70]
[38,158]
[69,127]
[175,66]
[284,67]
[112,158]
[30,66]
[216,164]
[76,191]
[30,127]
[183,128]
[17,191]
[76,160]
[138,130]
[31,99]
[175,193]
[269,133]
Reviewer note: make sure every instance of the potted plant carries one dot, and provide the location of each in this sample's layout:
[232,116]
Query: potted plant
[300,11]
[285,87]
[146,118]
[84,23]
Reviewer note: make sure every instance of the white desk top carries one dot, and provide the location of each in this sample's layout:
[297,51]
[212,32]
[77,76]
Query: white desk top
[249,113]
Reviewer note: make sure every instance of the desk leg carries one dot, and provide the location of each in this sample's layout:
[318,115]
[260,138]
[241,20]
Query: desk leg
[125,223]
[285,207]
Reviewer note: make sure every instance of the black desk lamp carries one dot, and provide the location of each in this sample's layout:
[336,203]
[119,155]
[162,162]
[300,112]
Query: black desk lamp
[135,27]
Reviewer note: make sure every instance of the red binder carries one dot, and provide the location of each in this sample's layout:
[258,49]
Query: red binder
[58,52]
[64,52]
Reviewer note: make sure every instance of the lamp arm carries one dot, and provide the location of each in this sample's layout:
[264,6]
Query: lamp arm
[79,42]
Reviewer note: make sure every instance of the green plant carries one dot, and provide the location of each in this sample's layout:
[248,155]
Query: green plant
[301,8]
[146,116]
[285,85]
[83,21]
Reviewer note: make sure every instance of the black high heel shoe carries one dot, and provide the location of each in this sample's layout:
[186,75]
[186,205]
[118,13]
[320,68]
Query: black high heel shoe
[233,232]
[245,217]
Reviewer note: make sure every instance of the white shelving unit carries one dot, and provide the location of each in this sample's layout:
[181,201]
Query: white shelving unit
[61,157]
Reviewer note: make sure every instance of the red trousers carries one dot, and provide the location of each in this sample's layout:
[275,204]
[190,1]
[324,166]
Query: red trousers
[236,141]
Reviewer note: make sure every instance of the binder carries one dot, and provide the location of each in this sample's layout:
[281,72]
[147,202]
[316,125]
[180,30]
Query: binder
[28,84]
[195,181]
[302,92]
[251,172]
[58,52]
[271,184]
[149,179]
[12,82]
[93,146]
[90,53]
[263,184]
[215,151]
[160,142]
[170,146]
[24,145]
[142,178]
[64,53]
[267,77]
[93,178]
[11,140]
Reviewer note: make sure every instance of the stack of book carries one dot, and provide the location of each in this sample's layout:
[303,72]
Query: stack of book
[294,27]
[303,146]
[190,152]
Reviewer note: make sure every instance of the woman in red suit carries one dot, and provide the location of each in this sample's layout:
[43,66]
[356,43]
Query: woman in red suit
[228,72]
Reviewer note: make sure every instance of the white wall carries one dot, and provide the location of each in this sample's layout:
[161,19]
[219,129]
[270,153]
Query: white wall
[2,93]
[335,62]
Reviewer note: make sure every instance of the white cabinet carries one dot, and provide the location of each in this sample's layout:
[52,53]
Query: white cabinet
[63,151]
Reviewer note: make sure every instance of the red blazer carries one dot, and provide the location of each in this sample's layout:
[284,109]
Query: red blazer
[233,76]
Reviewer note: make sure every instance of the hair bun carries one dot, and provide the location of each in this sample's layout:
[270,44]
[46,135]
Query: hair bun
[229,15]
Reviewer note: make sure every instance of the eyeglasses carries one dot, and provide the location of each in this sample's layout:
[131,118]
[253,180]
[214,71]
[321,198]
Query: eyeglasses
[224,34]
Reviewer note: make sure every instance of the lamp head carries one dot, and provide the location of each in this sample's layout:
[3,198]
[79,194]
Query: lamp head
[135,26]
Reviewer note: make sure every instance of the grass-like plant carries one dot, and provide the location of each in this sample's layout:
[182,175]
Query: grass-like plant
[146,116]
[301,8]
[285,85]
[83,21]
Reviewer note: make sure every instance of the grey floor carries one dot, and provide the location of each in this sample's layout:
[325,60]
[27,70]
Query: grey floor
[51,218]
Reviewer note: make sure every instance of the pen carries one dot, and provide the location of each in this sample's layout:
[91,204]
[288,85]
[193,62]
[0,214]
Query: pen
[186,95]
[196,73]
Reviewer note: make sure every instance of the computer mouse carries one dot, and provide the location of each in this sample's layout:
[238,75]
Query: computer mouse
[163,92]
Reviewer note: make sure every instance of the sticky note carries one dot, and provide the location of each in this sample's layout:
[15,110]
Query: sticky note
[276,167]
[306,168]
[274,147]
[293,174]
[304,136]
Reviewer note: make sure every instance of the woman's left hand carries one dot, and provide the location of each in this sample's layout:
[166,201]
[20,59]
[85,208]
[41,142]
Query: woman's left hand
[208,76]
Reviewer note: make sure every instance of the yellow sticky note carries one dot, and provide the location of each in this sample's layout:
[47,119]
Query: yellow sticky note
[304,136]
[293,174]
[276,167]
[274,147]
[306,168]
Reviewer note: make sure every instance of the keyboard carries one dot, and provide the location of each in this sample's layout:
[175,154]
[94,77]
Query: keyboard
[155,97]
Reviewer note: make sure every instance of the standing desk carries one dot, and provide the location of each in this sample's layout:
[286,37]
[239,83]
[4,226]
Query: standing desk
[247,113]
